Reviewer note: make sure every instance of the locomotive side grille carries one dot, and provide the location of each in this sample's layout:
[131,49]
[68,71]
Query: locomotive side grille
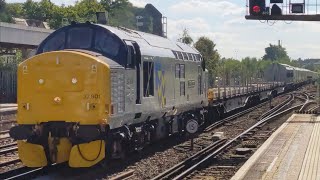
[117,92]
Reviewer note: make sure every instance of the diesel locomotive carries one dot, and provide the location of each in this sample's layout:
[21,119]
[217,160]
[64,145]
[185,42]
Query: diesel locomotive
[94,91]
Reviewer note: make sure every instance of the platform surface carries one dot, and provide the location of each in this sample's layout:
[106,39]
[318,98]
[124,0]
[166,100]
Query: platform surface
[292,152]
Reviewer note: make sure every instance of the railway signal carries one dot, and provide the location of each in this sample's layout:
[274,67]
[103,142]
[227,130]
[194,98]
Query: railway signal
[257,7]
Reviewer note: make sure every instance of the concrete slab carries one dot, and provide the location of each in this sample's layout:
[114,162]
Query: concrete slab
[292,152]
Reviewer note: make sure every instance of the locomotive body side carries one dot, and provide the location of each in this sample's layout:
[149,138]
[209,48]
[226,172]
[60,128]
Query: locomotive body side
[112,91]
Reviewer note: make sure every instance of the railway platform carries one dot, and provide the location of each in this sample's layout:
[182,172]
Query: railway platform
[292,152]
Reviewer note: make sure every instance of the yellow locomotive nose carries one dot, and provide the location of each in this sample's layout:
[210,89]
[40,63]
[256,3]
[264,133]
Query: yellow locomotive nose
[62,100]
[62,86]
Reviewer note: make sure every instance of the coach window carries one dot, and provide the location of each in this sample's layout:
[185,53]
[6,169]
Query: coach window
[57,42]
[80,38]
[148,80]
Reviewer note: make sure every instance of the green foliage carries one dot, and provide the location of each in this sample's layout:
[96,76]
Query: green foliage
[15,9]
[4,16]
[185,38]
[210,55]
[32,10]
[121,12]
[276,53]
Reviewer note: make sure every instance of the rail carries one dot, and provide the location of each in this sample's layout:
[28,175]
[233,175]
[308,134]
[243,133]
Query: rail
[184,170]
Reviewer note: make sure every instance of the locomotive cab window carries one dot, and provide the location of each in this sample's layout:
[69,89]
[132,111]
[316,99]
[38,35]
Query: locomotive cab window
[182,71]
[148,80]
[131,57]
[79,37]
[55,43]
[87,37]
[177,72]
[107,43]
[182,88]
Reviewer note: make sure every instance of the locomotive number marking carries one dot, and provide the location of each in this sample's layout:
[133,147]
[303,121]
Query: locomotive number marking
[91,96]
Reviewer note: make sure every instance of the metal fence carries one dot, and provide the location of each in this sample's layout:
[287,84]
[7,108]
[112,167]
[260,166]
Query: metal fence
[8,80]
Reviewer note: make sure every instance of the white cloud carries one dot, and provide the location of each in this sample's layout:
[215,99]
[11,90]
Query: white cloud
[207,7]
[138,3]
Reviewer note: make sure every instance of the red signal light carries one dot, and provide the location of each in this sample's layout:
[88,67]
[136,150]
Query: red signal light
[256,9]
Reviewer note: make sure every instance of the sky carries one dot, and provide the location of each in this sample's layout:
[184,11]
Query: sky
[223,21]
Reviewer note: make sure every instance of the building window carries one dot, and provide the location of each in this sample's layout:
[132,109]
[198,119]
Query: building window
[148,79]
[182,88]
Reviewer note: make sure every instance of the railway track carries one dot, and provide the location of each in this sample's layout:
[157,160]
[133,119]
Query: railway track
[8,148]
[185,168]
[23,172]
[4,132]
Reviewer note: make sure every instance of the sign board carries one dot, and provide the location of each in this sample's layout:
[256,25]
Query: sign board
[192,126]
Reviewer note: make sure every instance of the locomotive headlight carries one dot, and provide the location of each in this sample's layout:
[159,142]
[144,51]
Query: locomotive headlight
[57,100]
[74,80]
[41,81]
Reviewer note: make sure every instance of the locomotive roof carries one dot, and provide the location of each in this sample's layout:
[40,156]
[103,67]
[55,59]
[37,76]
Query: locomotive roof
[288,67]
[149,42]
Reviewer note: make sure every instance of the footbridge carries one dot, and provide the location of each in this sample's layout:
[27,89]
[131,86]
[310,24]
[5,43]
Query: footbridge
[20,36]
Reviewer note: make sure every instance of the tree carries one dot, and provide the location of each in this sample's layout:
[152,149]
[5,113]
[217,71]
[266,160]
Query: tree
[2,5]
[4,15]
[111,6]
[276,53]
[231,70]
[15,9]
[206,47]
[185,38]
[32,10]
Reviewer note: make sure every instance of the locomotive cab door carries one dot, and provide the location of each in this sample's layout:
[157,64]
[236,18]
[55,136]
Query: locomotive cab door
[134,62]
